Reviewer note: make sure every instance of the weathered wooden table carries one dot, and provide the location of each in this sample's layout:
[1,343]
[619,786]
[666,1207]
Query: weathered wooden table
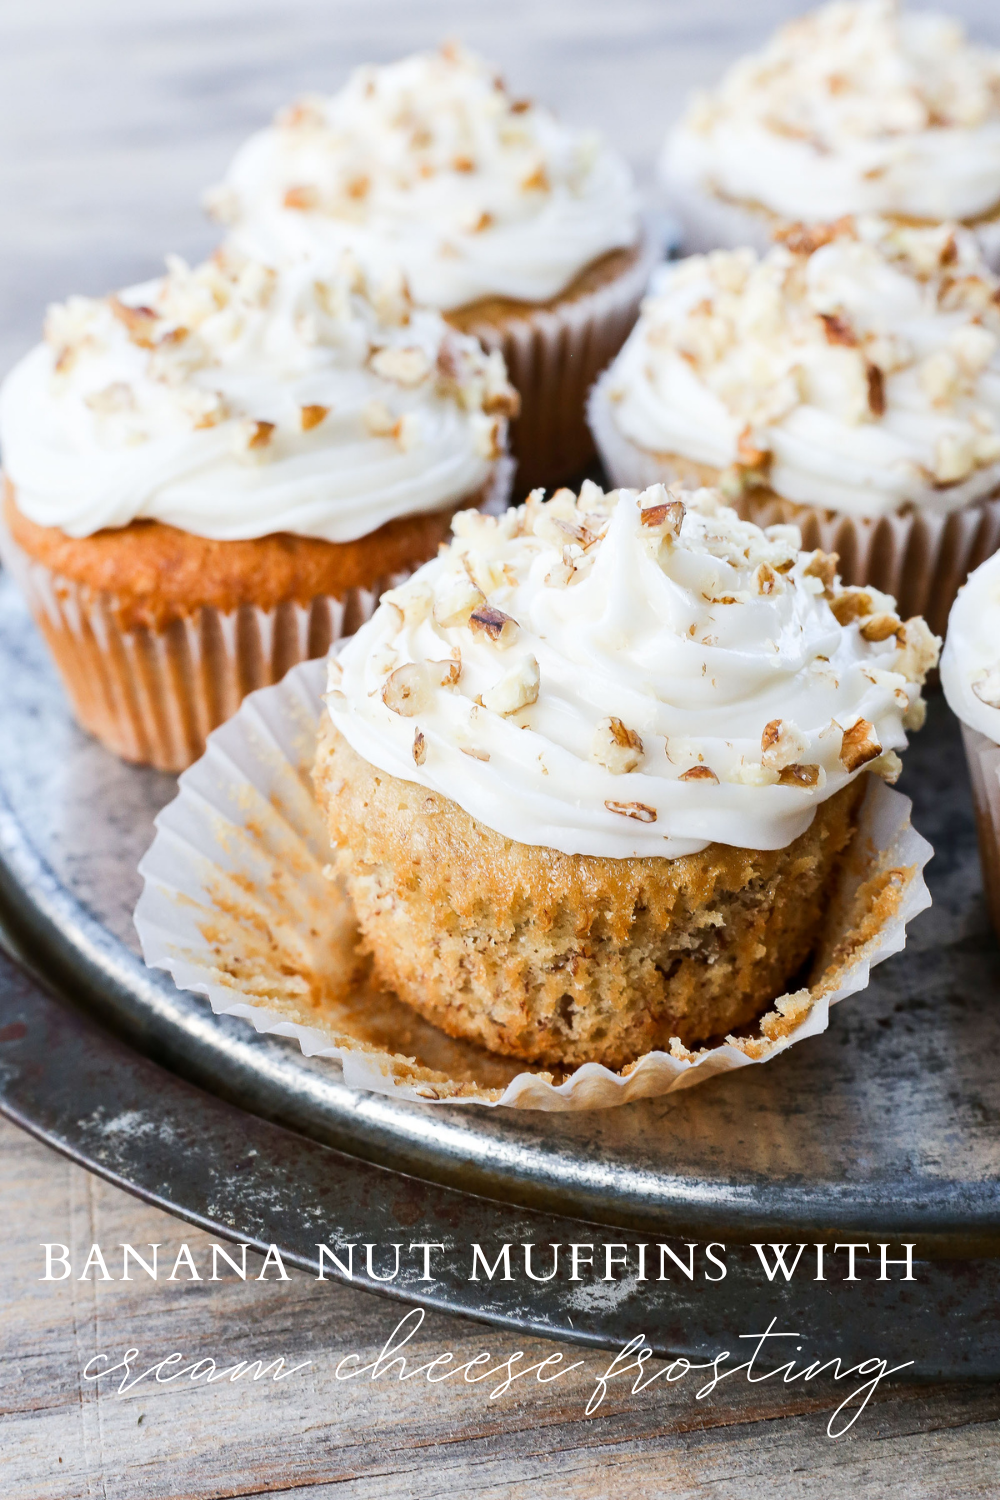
[112,118]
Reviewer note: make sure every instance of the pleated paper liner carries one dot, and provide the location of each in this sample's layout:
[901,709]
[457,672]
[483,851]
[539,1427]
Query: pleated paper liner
[553,356]
[238,905]
[921,560]
[154,695]
[983,756]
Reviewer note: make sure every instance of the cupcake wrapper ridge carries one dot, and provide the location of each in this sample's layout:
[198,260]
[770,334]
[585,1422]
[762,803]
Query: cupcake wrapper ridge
[243,850]
[153,696]
[553,356]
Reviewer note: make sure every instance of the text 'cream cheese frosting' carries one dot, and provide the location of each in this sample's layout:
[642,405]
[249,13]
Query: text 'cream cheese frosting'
[855,108]
[430,165]
[233,402]
[970,664]
[855,367]
[631,674]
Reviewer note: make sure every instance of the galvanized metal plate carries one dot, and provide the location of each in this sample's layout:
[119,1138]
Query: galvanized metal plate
[885,1126]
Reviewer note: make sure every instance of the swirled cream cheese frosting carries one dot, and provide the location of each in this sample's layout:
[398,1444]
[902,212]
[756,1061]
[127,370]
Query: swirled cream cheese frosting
[631,674]
[234,402]
[970,665]
[430,165]
[855,108]
[855,367]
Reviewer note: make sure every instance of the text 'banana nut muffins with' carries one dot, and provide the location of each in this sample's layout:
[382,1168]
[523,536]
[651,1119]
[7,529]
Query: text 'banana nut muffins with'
[521,230]
[849,381]
[590,773]
[856,108]
[211,476]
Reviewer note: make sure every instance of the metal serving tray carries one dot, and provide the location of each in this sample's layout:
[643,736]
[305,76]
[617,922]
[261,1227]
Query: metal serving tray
[883,1128]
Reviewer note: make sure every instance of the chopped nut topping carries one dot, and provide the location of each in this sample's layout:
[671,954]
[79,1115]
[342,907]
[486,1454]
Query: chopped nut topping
[860,745]
[798,775]
[852,604]
[407,690]
[838,330]
[637,810]
[261,435]
[881,627]
[616,748]
[304,198]
[823,565]
[781,744]
[515,690]
[475,752]
[419,747]
[806,239]
[140,322]
[455,605]
[311,416]
[407,367]
[698,773]
[888,766]
[665,519]
[987,688]
[486,620]
[876,389]
[919,650]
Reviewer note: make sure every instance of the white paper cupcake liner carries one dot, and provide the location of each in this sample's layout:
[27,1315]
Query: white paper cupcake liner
[983,756]
[153,695]
[553,355]
[236,906]
[921,560]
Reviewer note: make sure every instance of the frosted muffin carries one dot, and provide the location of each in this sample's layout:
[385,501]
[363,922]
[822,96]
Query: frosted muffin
[970,676]
[848,381]
[210,477]
[855,108]
[590,774]
[519,229]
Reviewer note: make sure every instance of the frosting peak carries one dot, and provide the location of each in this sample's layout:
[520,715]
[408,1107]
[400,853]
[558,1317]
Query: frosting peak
[429,164]
[233,401]
[621,674]
[855,367]
[857,107]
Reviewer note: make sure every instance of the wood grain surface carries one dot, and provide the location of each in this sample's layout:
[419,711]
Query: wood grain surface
[113,117]
[65,1438]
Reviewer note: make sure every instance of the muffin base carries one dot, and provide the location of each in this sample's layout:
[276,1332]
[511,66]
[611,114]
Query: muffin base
[555,350]
[566,960]
[921,560]
[158,634]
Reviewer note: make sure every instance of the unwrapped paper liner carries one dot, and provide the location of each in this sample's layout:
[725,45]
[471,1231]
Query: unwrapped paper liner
[922,560]
[236,906]
[153,695]
[710,222]
[553,355]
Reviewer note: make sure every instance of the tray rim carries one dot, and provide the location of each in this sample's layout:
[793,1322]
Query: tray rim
[73,950]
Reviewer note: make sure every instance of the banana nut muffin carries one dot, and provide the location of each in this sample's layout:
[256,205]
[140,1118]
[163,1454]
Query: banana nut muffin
[521,229]
[848,381]
[858,107]
[590,774]
[211,476]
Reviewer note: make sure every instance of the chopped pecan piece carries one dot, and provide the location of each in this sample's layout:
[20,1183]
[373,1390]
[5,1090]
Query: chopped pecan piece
[312,415]
[876,390]
[698,773]
[637,810]
[838,330]
[419,747]
[880,627]
[798,775]
[492,623]
[860,745]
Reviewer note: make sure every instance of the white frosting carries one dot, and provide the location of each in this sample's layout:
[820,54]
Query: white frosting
[658,692]
[855,108]
[970,665]
[233,402]
[430,165]
[854,368]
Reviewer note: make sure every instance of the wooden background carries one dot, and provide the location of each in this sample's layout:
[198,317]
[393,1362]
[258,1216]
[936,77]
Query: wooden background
[113,116]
